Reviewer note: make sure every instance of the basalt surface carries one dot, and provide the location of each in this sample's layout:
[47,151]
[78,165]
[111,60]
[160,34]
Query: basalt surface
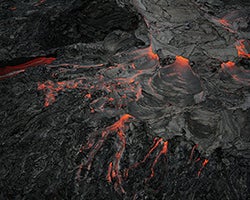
[125,99]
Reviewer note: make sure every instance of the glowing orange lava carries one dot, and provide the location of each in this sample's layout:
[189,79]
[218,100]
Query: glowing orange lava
[156,143]
[204,163]
[181,61]
[10,70]
[120,123]
[151,54]
[241,48]
[114,166]
[228,65]
[162,152]
[52,89]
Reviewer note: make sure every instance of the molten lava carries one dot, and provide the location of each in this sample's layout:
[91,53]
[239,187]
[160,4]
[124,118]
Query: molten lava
[238,74]
[114,166]
[52,89]
[228,65]
[241,48]
[13,70]
[204,163]
[162,152]
[181,61]
[157,141]
[151,54]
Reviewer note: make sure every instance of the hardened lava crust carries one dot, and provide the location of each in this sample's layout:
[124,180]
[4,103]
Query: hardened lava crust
[125,99]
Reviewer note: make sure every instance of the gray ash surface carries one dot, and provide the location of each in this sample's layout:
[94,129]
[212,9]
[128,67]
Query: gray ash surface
[125,99]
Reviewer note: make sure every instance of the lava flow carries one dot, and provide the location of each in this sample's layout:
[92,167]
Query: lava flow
[238,74]
[144,100]
[242,50]
[181,62]
[204,163]
[95,146]
[157,141]
[52,89]
[13,70]
[123,88]
[163,151]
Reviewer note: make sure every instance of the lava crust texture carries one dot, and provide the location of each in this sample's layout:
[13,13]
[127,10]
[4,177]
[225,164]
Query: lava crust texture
[125,99]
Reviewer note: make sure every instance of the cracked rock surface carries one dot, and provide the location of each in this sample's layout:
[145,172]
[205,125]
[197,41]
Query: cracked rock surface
[125,99]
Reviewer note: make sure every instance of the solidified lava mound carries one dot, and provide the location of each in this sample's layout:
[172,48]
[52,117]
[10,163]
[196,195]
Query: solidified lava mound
[125,99]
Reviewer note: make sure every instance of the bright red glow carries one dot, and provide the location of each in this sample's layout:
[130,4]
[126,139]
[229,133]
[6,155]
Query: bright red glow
[9,70]
[204,163]
[52,89]
[151,54]
[157,141]
[224,22]
[241,48]
[181,61]
[120,123]
[228,65]
[114,167]
[156,144]
[162,152]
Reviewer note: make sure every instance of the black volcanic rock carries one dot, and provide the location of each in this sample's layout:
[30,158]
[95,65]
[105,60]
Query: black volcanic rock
[124,99]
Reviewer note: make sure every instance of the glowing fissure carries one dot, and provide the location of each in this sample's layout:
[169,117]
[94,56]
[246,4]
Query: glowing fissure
[225,24]
[241,48]
[156,143]
[10,70]
[181,61]
[162,152]
[128,89]
[238,74]
[114,166]
[204,163]
[140,53]
[118,92]
[51,89]
[228,65]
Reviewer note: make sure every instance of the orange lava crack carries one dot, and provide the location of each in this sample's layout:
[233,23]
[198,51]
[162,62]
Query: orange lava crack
[114,166]
[204,163]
